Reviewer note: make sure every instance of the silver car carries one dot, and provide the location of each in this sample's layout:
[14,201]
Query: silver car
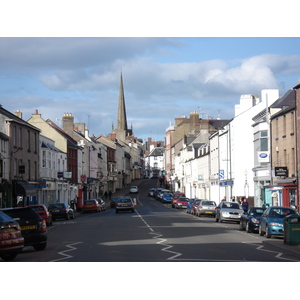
[228,211]
[206,207]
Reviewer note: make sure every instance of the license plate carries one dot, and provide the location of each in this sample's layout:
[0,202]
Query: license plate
[124,205]
[233,216]
[55,210]
[9,230]
[28,227]
[208,212]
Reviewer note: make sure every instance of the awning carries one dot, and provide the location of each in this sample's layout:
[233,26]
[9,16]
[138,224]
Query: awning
[24,188]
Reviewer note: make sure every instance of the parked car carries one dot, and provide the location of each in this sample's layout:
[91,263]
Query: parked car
[133,189]
[182,202]
[156,192]
[189,205]
[194,206]
[166,198]
[11,240]
[271,221]
[33,227]
[91,205]
[61,210]
[113,201]
[250,220]
[124,204]
[42,210]
[228,211]
[150,192]
[206,207]
[160,193]
[102,204]
[176,195]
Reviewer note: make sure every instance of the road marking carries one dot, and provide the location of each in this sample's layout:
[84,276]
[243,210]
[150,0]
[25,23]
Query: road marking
[66,256]
[279,254]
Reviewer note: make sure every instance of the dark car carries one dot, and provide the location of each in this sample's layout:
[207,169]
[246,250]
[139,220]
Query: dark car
[33,226]
[61,210]
[125,204]
[113,201]
[42,210]
[250,220]
[11,240]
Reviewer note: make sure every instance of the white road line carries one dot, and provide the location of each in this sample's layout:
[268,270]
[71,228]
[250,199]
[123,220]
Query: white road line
[66,256]
[279,254]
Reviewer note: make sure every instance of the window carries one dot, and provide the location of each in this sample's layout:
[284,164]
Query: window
[263,142]
[44,159]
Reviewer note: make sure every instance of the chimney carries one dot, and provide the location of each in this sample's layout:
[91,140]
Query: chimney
[68,122]
[18,113]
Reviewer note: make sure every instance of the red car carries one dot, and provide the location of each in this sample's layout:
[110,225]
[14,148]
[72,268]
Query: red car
[11,240]
[91,205]
[42,210]
[182,202]
[176,195]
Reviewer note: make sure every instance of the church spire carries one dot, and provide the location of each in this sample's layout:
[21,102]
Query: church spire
[122,120]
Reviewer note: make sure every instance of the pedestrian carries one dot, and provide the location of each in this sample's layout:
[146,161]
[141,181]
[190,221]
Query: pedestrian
[105,195]
[245,204]
[233,198]
[109,195]
[224,199]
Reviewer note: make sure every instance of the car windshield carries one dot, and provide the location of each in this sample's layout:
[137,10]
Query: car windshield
[208,203]
[23,213]
[257,211]
[37,208]
[4,218]
[57,205]
[125,200]
[167,195]
[89,202]
[280,212]
[230,205]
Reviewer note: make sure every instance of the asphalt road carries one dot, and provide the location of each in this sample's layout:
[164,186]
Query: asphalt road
[155,232]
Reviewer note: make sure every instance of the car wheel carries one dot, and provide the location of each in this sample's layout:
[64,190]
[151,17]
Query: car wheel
[241,226]
[260,232]
[268,235]
[132,211]
[39,247]
[9,257]
[248,228]
[117,211]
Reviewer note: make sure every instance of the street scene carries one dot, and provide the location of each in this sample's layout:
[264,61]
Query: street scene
[131,162]
[155,232]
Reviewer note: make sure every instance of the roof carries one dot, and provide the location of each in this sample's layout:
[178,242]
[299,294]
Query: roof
[12,117]
[70,141]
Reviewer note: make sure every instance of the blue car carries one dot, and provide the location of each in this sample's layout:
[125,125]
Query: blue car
[271,222]
[166,198]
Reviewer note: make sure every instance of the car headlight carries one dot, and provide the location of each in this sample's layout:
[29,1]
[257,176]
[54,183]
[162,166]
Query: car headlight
[254,220]
[276,224]
[225,214]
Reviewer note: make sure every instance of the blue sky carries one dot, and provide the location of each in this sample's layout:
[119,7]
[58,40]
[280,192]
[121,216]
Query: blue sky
[164,78]
[174,60]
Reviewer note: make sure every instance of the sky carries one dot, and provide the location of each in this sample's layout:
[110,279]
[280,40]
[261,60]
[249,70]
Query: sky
[164,77]
[67,57]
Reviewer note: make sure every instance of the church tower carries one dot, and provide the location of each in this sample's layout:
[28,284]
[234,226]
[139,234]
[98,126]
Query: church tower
[122,132]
